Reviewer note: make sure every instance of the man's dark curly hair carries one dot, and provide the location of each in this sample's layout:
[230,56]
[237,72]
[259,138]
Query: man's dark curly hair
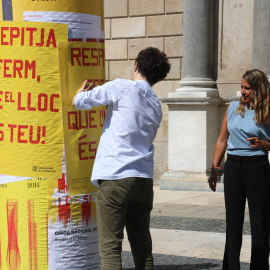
[153,64]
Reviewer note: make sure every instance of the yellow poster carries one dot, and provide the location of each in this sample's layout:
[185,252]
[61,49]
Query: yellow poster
[17,9]
[85,18]
[31,135]
[82,129]
[23,226]
[79,6]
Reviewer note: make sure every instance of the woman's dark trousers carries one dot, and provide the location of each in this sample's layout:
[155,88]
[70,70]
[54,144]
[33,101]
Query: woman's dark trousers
[247,178]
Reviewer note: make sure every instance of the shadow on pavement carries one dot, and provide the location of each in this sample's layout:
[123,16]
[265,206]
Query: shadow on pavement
[202,266]
[187,266]
[172,262]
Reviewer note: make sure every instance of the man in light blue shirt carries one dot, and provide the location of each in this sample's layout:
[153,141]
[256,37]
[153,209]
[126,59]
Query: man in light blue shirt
[123,168]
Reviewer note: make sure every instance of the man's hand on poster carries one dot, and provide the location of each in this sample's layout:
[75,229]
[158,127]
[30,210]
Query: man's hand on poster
[84,88]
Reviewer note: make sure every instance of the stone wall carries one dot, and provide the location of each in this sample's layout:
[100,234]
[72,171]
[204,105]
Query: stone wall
[235,44]
[132,25]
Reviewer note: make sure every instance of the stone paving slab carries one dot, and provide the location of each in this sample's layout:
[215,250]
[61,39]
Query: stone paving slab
[192,244]
[187,210]
[173,249]
[187,197]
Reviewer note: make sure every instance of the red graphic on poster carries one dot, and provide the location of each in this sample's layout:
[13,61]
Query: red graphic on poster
[13,253]
[63,209]
[68,206]
[88,208]
[32,234]
[86,212]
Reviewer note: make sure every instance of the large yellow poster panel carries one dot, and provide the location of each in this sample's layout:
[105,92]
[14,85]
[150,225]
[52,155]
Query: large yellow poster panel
[31,134]
[94,7]
[82,129]
[72,228]
[85,18]
[23,226]
[17,9]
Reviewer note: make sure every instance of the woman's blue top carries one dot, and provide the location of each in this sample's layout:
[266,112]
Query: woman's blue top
[242,127]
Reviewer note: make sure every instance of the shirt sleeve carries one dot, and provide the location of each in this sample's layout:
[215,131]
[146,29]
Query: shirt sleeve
[106,94]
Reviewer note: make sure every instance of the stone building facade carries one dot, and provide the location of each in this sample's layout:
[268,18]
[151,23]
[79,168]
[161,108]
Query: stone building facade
[210,44]
[131,26]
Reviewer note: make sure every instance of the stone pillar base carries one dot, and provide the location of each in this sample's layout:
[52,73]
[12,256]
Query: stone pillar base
[191,181]
[194,125]
[194,93]
[196,88]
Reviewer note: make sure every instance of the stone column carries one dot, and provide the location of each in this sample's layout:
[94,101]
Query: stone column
[194,107]
[261,36]
[197,66]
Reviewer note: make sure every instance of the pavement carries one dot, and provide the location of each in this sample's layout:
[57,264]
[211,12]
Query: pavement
[188,232]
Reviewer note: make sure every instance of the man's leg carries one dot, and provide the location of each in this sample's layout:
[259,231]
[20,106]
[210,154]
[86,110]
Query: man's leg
[138,223]
[111,213]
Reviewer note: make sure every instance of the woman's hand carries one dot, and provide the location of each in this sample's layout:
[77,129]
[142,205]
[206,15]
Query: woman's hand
[255,142]
[212,180]
[84,88]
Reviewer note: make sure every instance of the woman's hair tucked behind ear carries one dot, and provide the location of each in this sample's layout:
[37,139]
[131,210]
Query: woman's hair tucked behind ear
[259,97]
[153,64]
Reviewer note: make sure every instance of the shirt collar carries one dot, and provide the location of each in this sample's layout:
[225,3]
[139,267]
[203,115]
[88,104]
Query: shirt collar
[143,84]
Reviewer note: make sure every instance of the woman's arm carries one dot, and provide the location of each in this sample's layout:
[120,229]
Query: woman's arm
[220,149]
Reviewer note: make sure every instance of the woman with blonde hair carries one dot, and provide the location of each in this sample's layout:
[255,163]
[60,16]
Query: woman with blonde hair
[245,134]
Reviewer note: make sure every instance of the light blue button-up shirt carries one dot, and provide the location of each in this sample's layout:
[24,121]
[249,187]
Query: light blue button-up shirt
[133,116]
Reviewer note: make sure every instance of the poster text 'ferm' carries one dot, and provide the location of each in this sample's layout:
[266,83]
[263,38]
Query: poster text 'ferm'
[23,69]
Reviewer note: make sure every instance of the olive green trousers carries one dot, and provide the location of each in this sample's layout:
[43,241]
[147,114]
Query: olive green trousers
[125,203]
